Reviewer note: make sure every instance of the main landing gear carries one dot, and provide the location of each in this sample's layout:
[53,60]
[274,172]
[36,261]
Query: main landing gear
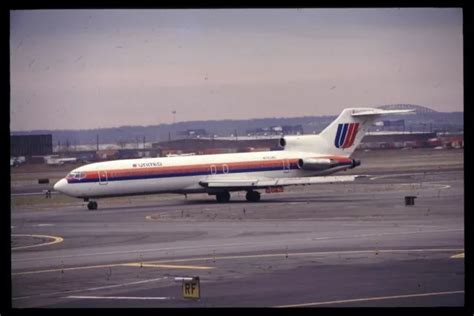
[92,205]
[253,196]
[223,197]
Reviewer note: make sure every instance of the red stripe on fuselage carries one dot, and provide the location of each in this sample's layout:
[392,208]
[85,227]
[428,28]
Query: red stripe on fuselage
[201,167]
[351,135]
[348,135]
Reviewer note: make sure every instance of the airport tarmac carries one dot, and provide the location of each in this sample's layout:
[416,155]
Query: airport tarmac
[339,245]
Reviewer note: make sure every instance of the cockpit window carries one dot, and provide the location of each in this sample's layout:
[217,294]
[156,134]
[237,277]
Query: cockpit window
[76,175]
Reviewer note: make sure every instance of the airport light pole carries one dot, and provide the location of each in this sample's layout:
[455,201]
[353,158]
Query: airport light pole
[174,121]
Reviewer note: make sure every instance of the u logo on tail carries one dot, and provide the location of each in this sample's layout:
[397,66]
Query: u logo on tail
[346,134]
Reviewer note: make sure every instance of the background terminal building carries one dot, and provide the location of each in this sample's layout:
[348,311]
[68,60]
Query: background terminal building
[31,145]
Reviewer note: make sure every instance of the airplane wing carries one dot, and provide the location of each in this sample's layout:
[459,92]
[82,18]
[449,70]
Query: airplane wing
[266,183]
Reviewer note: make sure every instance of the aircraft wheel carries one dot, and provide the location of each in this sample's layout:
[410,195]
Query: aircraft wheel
[223,197]
[92,205]
[253,196]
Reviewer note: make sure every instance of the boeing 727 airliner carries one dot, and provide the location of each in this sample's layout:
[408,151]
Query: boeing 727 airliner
[305,159]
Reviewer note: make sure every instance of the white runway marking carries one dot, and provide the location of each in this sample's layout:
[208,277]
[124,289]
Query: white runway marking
[428,184]
[396,175]
[378,298]
[92,288]
[121,297]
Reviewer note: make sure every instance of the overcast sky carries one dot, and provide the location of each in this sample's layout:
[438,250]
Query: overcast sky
[79,69]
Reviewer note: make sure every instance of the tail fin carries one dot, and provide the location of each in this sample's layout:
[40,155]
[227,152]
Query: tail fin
[343,135]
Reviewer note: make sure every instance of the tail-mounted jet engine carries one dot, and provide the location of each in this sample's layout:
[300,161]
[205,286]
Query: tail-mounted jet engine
[323,163]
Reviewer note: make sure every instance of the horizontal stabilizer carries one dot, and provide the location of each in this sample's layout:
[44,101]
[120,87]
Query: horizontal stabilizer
[381,112]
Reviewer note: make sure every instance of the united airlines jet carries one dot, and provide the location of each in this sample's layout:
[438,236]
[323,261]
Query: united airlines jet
[305,159]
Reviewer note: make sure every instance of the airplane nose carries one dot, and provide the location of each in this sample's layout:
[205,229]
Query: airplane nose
[60,185]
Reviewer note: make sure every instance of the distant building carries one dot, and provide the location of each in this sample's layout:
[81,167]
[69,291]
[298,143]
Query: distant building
[127,154]
[380,140]
[31,145]
[107,154]
[292,129]
[85,155]
[194,133]
[448,140]
[276,130]
[214,146]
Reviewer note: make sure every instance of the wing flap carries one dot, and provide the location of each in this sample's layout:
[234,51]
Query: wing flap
[265,183]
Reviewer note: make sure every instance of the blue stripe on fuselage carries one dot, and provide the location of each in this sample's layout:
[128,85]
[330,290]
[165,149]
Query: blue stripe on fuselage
[338,135]
[344,134]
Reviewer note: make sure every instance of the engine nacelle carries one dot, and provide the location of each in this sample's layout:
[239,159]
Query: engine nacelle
[305,143]
[316,163]
[325,163]
[355,163]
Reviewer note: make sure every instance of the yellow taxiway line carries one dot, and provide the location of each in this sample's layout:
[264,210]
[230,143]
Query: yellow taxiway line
[368,299]
[130,264]
[317,253]
[83,297]
[167,266]
[55,240]
[163,263]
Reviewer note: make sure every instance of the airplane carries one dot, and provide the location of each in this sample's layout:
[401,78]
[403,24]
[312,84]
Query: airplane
[54,160]
[305,159]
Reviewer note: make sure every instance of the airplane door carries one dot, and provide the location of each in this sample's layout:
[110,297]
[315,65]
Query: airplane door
[103,177]
[213,169]
[286,165]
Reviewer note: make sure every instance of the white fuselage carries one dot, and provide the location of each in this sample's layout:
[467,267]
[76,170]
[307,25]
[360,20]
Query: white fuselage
[183,174]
